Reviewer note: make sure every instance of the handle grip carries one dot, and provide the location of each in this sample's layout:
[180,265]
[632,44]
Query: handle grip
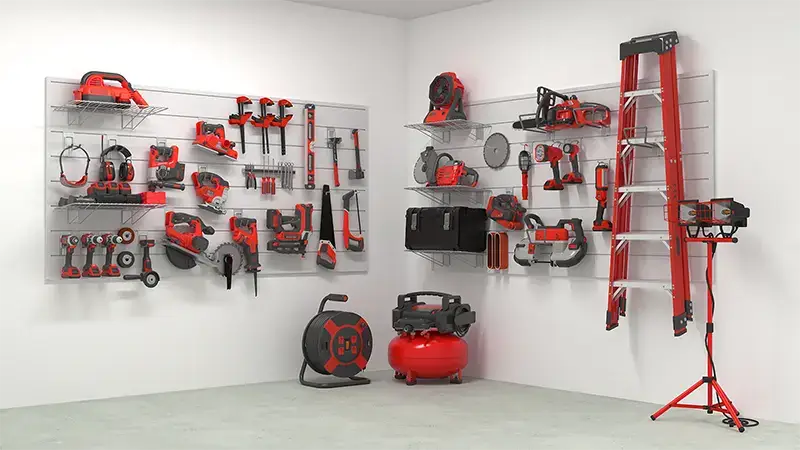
[524,185]
[336,174]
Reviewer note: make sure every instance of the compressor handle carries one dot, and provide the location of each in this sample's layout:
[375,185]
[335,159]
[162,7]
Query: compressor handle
[446,298]
[331,298]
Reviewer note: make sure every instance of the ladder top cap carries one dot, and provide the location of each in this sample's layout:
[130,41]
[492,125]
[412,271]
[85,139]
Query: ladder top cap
[653,43]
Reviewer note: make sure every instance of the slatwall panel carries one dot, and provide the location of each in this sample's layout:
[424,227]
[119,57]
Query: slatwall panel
[649,259]
[176,126]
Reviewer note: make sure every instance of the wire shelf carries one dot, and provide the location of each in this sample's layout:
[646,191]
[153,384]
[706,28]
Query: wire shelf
[130,213]
[443,194]
[131,115]
[440,131]
[444,258]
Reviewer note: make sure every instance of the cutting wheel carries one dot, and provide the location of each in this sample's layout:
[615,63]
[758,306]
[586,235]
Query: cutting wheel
[419,171]
[496,150]
[227,248]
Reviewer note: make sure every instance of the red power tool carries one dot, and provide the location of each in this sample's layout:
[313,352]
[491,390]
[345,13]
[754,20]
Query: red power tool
[567,234]
[281,120]
[212,189]
[245,233]
[574,176]
[148,276]
[163,168]
[241,118]
[545,153]
[294,239]
[525,167]
[353,243]
[601,194]
[506,210]
[456,173]
[570,113]
[211,136]
[185,233]
[263,122]
[90,242]
[311,137]
[93,89]
[110,242]
[446,95]
[70,243]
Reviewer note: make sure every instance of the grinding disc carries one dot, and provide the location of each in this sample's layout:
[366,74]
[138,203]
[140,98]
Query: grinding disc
[496,151]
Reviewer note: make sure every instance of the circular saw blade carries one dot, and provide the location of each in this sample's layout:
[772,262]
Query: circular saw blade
[419,171]
[227,248]
[496,150]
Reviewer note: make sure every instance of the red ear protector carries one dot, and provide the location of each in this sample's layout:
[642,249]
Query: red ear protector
[63,178]
[125,167]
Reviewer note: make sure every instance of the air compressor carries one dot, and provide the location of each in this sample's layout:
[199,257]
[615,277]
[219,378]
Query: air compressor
[429,343]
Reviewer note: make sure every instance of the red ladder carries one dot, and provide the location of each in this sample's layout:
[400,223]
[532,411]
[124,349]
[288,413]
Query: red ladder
[629,137]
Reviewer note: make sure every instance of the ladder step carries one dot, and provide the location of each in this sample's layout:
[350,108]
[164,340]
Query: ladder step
[641,92]
[643,188]
[644,236]
[643,141]
[644,284]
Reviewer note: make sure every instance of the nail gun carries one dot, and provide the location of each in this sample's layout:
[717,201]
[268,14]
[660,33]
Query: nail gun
[212,189]
[295,239]
[564,244]
[164,170]
[211,136]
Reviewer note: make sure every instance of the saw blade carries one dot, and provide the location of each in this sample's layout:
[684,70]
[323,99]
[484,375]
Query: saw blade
[419,171]
[496,150]
[227,248]
[178,257]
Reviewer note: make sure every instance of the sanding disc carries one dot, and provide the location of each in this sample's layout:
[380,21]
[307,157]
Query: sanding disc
[337,343]
[496,151]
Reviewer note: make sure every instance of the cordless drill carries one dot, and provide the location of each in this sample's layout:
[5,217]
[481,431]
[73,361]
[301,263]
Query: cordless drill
[574,176]
[543,153]
[70,243]
[601,194]
[245,233]
[294,239]
[110,242]
[90,242]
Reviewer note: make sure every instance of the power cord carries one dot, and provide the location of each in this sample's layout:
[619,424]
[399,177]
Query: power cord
[728,420]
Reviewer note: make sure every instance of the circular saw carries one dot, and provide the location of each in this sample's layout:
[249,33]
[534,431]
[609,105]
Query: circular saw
[426,165]
[496,151]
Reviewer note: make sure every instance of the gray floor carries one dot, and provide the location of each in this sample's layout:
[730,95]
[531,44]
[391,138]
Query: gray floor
[386,414]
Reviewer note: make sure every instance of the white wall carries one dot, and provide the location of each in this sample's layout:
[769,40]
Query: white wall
[63,343]
[551,332]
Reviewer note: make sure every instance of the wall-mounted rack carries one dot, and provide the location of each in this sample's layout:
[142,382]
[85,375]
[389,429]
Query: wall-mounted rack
[443,195]
[130,213]
[444,258]
[440,131]
[131,116]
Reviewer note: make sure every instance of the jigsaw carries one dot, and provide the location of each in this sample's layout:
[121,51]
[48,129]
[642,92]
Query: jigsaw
[212,189]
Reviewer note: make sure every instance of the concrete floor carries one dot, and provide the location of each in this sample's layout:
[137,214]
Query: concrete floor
[478,414]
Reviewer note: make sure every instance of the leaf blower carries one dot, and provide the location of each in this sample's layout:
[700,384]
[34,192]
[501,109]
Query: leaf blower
[429,343]
[94,89]
[569,113]
[446,95]
[562,245]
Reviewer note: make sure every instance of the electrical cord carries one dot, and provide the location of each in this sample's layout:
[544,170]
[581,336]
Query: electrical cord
[728,420]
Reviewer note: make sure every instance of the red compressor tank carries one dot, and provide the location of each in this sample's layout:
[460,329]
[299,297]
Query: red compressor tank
[429,343]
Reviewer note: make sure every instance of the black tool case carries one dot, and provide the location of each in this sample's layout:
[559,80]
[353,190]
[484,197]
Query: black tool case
[446,228]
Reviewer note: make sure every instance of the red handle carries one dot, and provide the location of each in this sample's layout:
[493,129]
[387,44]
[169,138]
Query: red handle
[336,174]
[524,185]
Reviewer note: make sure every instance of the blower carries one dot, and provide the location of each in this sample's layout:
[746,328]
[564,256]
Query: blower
[506,210]
[429,343]
[569,113]
[563,245]
[337,343]
[211,136]
[446,95]
[94,89]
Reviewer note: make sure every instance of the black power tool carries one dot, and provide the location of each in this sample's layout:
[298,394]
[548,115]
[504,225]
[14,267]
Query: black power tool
[291,232]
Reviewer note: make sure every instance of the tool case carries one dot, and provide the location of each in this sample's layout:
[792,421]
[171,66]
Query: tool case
[446,228]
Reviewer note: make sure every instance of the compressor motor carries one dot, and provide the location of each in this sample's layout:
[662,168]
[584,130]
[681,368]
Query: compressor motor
[429,343]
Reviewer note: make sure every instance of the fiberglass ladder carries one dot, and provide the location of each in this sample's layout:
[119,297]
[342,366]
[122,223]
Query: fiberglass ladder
[629,136]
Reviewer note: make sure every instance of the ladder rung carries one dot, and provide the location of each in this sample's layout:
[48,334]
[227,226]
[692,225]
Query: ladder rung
[641,92]
[643,188]
[643,141]
[643,236]
[644,284]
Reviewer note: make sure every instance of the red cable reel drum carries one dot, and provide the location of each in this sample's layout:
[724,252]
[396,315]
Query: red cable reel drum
[429,343]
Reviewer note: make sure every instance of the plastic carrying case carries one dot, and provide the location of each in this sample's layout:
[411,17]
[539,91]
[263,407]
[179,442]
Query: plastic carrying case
[446,228]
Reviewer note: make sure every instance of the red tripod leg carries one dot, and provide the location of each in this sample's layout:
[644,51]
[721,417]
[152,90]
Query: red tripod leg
[676,400]
[729,406]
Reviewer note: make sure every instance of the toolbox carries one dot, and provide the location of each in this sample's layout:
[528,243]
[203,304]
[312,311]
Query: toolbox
[446,229]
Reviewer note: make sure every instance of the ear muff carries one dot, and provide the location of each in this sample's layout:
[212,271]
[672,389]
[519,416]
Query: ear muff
[63,177]
[126,172]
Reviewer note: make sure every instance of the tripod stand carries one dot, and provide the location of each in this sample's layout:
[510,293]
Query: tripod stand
[724,405]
